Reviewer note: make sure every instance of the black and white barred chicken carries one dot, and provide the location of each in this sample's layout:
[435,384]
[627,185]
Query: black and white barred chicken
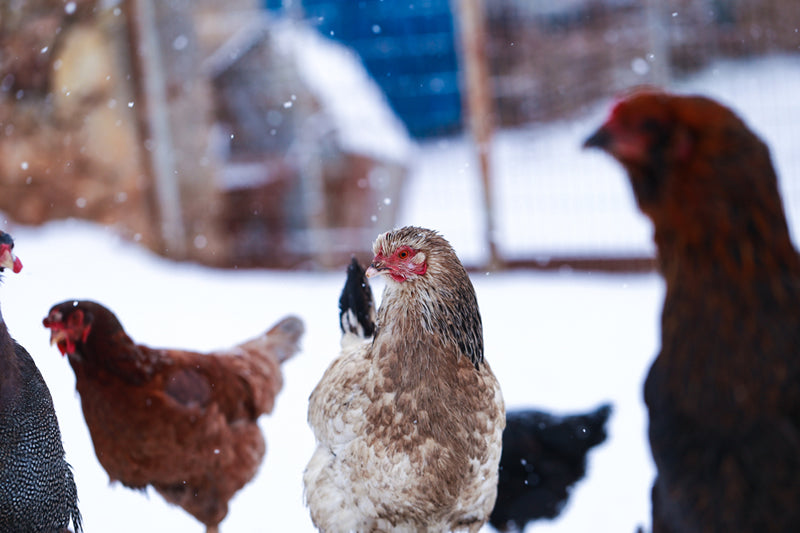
[37,488]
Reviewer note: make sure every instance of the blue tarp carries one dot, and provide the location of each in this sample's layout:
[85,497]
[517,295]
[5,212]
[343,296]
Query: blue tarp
[408,47]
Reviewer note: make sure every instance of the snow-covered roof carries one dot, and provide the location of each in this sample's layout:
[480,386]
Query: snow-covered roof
[362,118]
[361,113]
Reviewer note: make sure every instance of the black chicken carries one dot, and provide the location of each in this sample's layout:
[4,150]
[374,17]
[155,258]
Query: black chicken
[543,457]
[37,490]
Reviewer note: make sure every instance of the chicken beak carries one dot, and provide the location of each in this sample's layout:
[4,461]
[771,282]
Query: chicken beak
[599,139]
[8,259]
[58,337]
[374,270]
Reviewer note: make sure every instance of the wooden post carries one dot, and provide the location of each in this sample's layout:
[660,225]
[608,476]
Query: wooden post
[157,132]
[472,36]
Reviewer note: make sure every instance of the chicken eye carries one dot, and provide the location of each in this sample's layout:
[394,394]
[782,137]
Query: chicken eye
[402,254]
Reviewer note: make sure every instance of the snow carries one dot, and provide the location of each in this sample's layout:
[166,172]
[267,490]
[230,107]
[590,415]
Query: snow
[559,341]
[363,117]
[351,101]
[566,343]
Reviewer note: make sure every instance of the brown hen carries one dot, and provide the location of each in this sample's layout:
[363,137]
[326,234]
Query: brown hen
[183,422]
[723,394]
[409,423]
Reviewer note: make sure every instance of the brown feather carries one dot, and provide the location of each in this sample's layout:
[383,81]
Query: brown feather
[722,394]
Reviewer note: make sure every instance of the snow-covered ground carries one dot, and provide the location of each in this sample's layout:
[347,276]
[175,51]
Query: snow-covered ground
[562,342]
[557,341]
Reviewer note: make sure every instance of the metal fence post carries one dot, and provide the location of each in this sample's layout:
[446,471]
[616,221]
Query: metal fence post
[156,117]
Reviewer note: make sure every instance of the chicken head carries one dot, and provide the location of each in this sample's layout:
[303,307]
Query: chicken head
[402,263]
[68,325]
[7,257]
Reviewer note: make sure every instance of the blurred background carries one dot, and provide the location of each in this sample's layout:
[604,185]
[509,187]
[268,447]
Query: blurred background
[288,133]
[285,135]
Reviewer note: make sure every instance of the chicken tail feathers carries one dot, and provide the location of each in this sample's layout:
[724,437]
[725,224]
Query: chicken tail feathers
[356,305]
[595,424]
[285,337]
[543,456]
[258,361]
[279,343]
[572,435]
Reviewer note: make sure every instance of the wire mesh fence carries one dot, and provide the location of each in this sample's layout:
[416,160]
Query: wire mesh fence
[555,68]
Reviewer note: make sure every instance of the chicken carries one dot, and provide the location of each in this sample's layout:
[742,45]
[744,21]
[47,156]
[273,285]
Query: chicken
[37,488]
[409,424]
[543,457]
[356,304]
[722,394]
[183,422]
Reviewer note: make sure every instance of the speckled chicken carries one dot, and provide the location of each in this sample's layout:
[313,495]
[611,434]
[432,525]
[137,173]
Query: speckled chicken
[543,455]
[181,421]
[37,488]
[722,394]
[409,424]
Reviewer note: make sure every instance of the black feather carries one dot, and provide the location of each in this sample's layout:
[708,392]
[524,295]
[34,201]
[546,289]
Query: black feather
[356,304]
[543,457]
[37,489]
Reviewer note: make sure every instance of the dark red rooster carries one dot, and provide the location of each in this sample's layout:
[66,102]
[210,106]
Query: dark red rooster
[37,489]
[722,394]
[183,422]
[408,424]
